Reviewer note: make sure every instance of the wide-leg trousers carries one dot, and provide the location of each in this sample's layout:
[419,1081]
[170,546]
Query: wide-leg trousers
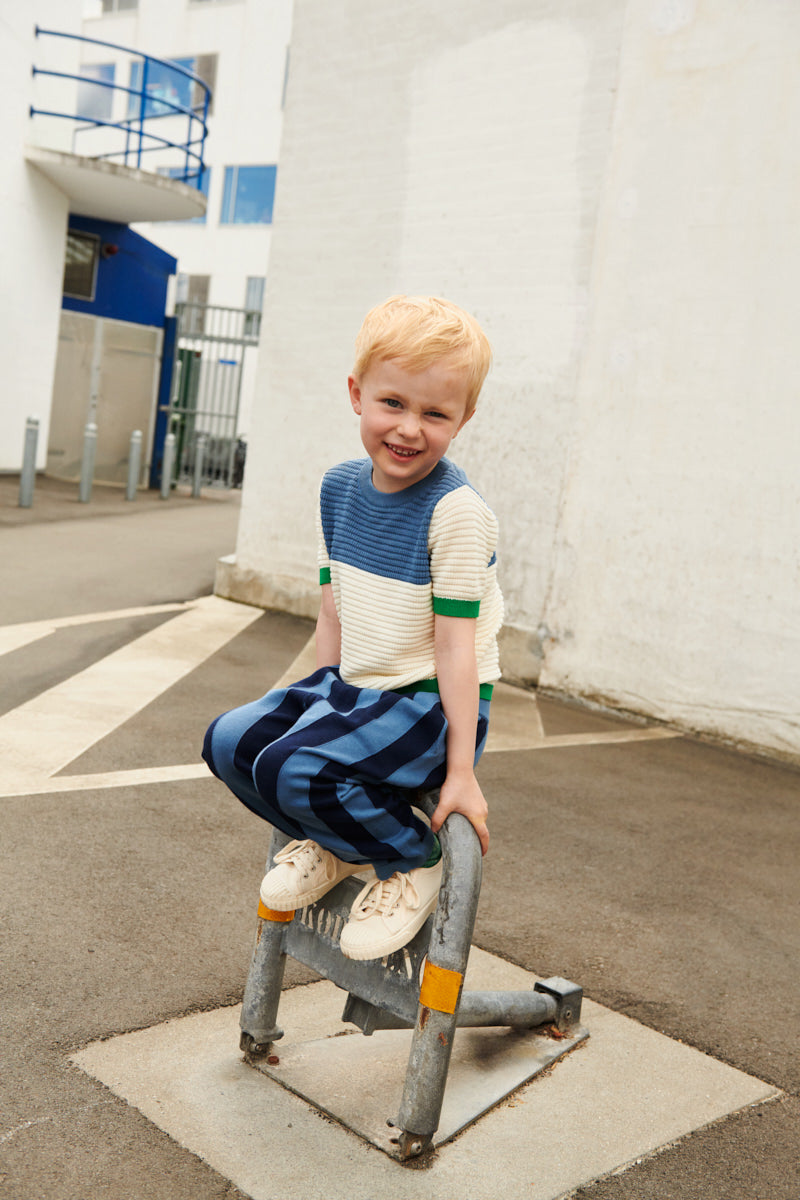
[341,765]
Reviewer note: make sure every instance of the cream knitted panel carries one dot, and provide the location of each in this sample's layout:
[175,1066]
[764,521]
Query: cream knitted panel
[461,541]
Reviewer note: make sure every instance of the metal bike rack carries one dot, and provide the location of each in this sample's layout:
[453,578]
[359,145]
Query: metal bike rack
[418,987]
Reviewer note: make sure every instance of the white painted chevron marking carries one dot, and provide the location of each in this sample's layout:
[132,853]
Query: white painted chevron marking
[44,735]
[103,780]
[13,637]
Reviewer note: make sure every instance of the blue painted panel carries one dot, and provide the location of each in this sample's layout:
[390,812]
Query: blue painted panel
[132,275]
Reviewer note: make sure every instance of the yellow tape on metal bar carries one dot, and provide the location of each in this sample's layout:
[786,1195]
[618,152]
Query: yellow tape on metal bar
[440,988]
[270,914]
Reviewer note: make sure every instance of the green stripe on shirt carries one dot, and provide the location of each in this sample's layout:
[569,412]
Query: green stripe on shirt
[432,685]
[456,608]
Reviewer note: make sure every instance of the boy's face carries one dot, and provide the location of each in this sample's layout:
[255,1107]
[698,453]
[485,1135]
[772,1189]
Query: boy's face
[408,419]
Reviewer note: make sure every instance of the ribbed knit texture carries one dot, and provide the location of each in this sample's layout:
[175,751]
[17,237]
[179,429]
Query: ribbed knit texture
[394,559]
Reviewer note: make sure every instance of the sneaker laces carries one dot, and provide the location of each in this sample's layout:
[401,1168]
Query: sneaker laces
[303,855]
[383,895]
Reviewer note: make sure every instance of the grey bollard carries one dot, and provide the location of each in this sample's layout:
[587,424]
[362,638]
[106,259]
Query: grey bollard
[87,463]
[167,463]
[134,464]
[28,476]
[199,455]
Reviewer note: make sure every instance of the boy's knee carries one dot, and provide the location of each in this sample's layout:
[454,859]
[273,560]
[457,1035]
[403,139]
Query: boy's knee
[207,751]
[219,745]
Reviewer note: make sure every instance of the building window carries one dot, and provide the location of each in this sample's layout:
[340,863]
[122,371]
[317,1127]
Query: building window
[192,292]
[253,302]
[202,184]
[248,195]
[95,102]
[80,265]
[110,6]
[167,87]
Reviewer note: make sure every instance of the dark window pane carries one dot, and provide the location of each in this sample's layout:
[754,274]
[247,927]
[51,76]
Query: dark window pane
[80,265]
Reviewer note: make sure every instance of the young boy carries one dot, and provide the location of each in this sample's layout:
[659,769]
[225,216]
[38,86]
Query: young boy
[406,645]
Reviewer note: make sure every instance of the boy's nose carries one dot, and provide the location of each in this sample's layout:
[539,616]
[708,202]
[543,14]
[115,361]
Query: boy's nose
[409,424]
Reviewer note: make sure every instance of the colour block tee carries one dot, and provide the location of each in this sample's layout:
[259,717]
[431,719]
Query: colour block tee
[394,559]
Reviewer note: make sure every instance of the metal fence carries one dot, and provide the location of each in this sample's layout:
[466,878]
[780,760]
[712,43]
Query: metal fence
[213,348]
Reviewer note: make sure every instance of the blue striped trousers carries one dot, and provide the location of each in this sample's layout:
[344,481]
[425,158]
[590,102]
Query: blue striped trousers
[341,765]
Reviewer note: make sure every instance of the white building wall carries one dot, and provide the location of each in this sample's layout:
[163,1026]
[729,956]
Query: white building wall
[251,39]
[33,228]
[607,187]
[459,156]
[677,564]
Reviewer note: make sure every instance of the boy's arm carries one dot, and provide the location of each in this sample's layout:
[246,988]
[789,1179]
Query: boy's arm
[457,673]
[329,632]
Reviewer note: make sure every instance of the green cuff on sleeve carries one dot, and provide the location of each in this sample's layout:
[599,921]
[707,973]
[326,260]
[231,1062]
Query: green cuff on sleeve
[456,608]
[324,575]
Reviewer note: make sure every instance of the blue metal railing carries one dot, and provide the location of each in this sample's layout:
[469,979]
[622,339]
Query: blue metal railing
[144,106]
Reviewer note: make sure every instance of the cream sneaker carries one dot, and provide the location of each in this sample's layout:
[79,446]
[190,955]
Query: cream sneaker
[388,912]
[303,872]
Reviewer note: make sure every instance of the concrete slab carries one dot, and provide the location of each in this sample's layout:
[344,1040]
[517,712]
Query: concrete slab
[359,1081]
[624,1094]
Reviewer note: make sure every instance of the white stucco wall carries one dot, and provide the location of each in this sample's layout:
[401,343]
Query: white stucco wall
[677,564]
[607,187]
[459,156]
[33,228]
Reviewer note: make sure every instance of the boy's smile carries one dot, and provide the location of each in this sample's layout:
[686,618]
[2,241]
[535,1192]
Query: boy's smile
[408,418]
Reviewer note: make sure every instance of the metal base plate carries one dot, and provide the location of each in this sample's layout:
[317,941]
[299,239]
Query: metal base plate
[359,1080]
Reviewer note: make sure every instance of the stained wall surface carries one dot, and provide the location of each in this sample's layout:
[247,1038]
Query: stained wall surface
[608,187]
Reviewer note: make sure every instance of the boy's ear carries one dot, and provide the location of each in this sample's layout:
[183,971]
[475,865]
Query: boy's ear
[355,394]
[468,417]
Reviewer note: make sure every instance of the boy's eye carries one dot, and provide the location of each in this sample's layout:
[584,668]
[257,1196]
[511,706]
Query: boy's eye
[392,403]
[437,414]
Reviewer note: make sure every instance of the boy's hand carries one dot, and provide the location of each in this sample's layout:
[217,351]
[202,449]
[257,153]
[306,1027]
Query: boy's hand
[461,793]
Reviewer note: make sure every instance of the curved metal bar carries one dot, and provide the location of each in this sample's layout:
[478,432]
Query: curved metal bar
[164,62]
[177,109]
[451,937]
[43,112]
[133,125]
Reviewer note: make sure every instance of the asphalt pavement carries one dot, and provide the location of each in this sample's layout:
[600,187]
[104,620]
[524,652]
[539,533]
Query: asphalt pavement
[659,872]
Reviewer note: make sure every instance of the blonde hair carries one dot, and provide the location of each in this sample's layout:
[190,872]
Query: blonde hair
[417,331]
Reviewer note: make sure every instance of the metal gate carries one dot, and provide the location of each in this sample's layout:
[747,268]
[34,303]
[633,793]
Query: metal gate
[213,344]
